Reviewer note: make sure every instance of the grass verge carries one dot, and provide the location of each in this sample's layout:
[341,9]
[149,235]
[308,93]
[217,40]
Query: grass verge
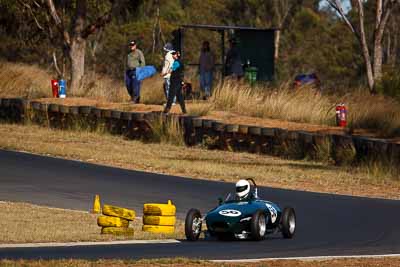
[197,162]
[27,223]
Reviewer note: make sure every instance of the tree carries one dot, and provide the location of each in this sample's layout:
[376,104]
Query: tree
[68,28]
[75,35]
[384,9]
[284,11]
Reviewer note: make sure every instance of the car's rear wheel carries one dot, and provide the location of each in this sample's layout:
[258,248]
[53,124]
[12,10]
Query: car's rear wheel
[193,225]
[258,225]
[288,222]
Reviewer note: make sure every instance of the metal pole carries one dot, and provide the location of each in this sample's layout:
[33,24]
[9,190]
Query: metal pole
[223,53]
[181,42]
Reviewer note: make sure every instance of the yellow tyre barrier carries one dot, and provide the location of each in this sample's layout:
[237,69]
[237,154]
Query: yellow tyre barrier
[159,209]
[108,221]
[117,230]
[159,220]
[159,229]
[119,212]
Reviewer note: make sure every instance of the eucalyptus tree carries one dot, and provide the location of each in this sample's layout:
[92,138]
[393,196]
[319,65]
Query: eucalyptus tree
[372,59]
[68,25]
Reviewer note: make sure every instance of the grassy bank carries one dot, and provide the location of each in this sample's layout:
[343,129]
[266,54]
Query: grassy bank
[375,113]
[27,223]
[198,162]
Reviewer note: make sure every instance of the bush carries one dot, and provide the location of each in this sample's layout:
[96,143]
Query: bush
[390,84]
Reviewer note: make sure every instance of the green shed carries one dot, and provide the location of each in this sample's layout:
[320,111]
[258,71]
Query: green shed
[256,46]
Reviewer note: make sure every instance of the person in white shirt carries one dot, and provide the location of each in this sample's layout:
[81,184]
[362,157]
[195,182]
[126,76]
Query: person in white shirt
[166,70]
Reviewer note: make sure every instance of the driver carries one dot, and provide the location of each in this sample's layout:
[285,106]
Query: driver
[243,190]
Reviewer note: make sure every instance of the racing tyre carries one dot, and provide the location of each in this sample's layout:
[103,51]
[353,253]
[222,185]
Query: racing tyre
[119,212]
[159,220]
[193,225]
[117,230]
[258,225]
[159,209]
[159,229]
[288,222]
[108,221]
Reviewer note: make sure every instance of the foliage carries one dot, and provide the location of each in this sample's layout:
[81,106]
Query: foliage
[390,84]
[315,40]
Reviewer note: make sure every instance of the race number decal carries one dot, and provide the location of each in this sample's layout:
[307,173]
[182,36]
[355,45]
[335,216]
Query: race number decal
[273,212]
[230,213]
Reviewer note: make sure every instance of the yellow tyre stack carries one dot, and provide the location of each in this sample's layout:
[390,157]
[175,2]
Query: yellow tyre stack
[159,218]
[115,220]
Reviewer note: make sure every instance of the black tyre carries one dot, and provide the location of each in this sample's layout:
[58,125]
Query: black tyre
[258,225]
[193,225]
[288,222]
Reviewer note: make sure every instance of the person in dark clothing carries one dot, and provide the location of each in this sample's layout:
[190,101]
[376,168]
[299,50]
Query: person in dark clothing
[176,80]
[233,62]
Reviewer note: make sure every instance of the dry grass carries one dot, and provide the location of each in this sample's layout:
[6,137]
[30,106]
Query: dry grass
[374,112]
[183,262]
[378,113]
[24,80]
[197,162]
[199,108]
[167,132]
[105,89]
[152,91]
[30,81]
[281,103]
[26,223]
[381,114]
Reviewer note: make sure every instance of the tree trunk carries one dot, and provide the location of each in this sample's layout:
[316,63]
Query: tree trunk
[77,57]
[365,51]
[78,46]
[378,42]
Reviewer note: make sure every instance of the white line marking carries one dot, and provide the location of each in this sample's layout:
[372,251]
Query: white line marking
[316,258]
[77,244]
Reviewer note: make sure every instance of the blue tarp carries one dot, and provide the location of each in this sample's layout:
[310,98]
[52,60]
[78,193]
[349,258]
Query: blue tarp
[145,72]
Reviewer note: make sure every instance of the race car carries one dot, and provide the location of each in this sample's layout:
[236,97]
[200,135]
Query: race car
[242,216]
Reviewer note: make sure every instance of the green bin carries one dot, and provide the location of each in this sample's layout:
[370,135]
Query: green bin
[251,75]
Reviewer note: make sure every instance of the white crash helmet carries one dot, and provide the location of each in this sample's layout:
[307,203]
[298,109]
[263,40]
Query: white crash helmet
[242,188]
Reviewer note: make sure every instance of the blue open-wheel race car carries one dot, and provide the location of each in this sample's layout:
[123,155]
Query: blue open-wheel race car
[242,215]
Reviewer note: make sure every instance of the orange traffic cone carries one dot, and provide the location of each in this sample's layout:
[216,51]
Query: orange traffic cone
[96,204]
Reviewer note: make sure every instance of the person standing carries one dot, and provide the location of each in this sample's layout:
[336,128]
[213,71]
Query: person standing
[135,59]
[176,84]
[166,70]
[233,62]
[206,67]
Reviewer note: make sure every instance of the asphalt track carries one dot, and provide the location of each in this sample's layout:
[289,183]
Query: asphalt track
[327,225]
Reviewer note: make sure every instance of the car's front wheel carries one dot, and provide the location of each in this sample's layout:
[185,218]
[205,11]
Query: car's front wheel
[288,223]
[258,225]
[193,225]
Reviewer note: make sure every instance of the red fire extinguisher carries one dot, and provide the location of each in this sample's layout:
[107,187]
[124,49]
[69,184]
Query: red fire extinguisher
[341,115]
[54,87]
